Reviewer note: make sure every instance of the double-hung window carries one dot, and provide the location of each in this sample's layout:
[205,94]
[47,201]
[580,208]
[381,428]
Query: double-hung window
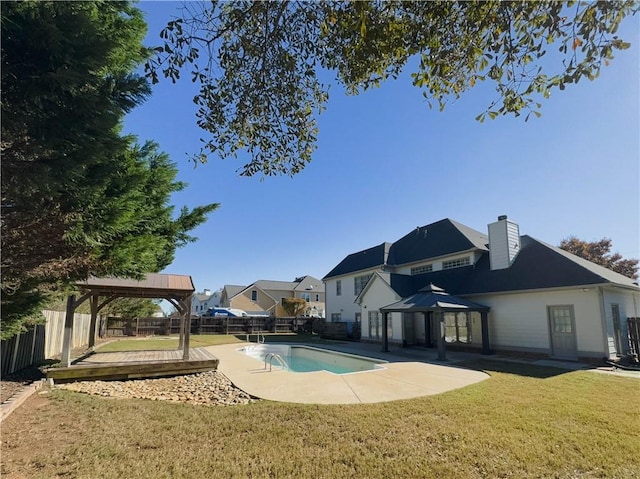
[359,282]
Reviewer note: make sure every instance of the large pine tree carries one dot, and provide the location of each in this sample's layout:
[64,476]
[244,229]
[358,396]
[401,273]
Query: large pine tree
[78,197]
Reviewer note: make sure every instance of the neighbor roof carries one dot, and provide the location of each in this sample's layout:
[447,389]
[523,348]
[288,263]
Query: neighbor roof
[307,283]
[232,289]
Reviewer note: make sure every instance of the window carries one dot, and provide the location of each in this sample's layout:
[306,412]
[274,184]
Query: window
[339,288]
[306,297]
[317,298]
[359,282]
[456,263]
[617,332]
[427,268]
[335,317]
[457,328]
[254,295]
[374,325]
[562,320]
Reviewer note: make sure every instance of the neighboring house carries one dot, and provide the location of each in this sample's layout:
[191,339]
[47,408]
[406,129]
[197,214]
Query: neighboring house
[228,292]
[266,295]
[200,302]
[503,291]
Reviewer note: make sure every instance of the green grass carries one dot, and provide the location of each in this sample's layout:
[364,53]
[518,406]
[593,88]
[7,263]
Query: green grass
[524,422]
[201,340]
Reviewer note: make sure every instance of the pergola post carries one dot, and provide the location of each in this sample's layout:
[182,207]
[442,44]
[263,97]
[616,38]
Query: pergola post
[94,316]
[181,332]
[442,354]
[185,351]
[484,324]
[385,337]
[68,332]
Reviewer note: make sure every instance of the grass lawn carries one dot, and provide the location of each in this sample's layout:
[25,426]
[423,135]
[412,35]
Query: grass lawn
[524,422]
[201,340]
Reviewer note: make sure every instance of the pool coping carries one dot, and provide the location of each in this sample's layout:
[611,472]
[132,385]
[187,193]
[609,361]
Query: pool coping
[400,379]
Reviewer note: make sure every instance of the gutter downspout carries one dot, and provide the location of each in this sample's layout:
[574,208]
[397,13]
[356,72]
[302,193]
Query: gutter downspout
[603,318]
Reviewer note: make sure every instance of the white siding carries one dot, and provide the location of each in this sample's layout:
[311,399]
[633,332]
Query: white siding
[504,243]
[520,321]
[343,304]
[378,295]
[628,304]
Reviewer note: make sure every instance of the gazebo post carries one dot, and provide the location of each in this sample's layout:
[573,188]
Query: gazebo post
[181,332]
[68,332]
[185,351]
[385,338]
[94,316]
[484,324]
[442,354]
[427,329]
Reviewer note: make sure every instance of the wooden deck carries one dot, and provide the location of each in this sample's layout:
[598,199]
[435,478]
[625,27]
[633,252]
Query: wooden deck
[135,365]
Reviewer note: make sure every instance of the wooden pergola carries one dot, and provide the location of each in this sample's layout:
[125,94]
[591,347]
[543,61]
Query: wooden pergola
[177,289]
[432,300]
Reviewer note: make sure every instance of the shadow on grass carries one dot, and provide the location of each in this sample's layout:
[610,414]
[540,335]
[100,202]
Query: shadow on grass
[512,367]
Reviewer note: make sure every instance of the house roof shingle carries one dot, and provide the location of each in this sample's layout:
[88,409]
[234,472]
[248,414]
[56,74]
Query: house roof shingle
[537,266]
[365,259]
[441,238]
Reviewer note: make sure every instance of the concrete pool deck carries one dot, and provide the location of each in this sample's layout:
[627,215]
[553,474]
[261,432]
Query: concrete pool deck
[401,378]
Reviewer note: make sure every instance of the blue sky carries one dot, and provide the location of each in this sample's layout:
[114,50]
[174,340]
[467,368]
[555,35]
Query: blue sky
[385,164]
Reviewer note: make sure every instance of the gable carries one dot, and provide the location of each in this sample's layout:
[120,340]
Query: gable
[309,283]
[377,287]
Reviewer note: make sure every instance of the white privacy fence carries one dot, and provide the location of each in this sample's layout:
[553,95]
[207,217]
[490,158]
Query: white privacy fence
[54,332]
[42,341]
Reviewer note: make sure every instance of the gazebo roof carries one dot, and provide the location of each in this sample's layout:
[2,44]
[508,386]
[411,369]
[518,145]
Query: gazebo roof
[154,285]
[433,298]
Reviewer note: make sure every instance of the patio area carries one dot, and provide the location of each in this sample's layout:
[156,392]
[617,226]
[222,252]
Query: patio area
[400,378]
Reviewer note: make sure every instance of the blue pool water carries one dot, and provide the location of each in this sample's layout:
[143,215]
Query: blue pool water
[304,359]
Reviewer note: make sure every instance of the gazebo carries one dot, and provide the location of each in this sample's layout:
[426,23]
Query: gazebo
[176,289]
[434,300]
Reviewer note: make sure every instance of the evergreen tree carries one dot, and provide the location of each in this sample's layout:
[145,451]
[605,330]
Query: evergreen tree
[78,197]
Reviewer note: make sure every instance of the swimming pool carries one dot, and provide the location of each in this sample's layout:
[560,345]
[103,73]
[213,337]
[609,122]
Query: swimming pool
[304,359]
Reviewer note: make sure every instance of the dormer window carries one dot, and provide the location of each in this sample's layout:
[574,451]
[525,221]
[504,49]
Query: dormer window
[456,263]
[427,268]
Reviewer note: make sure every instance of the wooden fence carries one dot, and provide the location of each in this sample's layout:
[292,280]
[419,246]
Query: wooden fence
[633,327]
[206,325]
[43,341]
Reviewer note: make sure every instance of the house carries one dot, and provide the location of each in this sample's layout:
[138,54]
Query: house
[499,292]
[204,300]
[267,295]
